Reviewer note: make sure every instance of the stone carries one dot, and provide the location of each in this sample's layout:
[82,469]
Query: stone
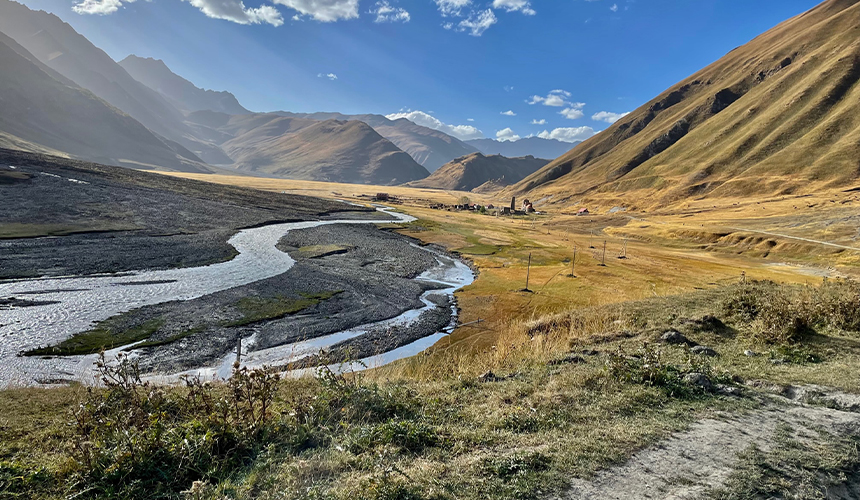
[750,353]
[699,380]
[703,351]
[674,337]
[488,377]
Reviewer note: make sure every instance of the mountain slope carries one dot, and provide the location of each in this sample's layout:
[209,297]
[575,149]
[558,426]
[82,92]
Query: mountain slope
[431,148]
[59,46]
[778,115]
[183,94]
[528,146]
[332,150]
[42,114]
[474,170]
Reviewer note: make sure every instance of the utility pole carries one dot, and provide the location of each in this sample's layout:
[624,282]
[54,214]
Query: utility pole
[573,263]
[528,274]
[603,259]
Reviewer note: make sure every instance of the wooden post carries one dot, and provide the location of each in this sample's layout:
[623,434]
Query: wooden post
[573,263]
[239,351]
[528,272]
[603,259]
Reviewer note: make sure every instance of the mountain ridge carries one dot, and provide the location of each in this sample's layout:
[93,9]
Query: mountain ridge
[772,117]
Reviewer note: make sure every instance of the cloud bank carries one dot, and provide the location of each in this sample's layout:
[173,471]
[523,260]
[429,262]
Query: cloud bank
[462,132]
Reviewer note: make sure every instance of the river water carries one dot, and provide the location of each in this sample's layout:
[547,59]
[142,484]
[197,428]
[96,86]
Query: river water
[76,303]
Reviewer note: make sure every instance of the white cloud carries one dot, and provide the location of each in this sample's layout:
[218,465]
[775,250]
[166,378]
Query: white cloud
[608,117]
[507,135]
[462,132]
[523,6]
[99,7]
[509,113]
[470,119]
[385,13]
[573,111]
[568,134]
[508,88]
[330,76]
[478,23]
[539,122]
[452,7]
[614,7]
[556,98]
[323,10]
[235,10]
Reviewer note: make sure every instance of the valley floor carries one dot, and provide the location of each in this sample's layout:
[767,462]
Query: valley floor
[572,389]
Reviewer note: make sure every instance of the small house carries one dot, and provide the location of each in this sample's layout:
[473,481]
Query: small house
[582,211]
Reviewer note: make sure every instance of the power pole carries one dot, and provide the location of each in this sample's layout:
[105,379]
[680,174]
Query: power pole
[573,263]
[528,271]
[603,259]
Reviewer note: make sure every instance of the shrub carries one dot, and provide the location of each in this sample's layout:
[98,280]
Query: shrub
[406,434]
[135,440]
[511,466]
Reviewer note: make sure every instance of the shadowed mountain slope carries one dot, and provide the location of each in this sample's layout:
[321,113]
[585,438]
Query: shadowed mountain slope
[183,94]
[778,115]
[431,148]
[475,170]
[44,115]
[331,150]
[528,146]
[60,47]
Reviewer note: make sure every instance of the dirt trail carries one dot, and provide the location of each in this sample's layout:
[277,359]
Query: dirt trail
[689,464]
[807,240]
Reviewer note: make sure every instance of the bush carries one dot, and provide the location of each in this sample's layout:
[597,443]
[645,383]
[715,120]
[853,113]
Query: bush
[779,314]
[647,367]
[406,434]
[135,440]
[515,465]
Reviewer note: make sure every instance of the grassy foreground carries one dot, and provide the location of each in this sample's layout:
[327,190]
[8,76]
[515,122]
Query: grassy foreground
[566,395]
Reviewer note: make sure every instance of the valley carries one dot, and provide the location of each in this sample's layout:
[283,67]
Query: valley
[614,293]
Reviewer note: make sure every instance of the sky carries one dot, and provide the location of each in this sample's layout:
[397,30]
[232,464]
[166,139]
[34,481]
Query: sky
[501,69]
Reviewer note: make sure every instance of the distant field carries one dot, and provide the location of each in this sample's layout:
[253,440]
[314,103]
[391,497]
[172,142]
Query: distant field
[695,245]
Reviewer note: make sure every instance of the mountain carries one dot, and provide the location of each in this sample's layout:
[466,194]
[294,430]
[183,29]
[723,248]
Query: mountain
[431,148]
[58,46]
[46,115]
[183,94]
[534,146]
[776,116]
[331,150]
[476,170]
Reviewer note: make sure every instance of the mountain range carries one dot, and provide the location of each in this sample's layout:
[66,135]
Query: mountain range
[777,116]
[527,146]
[480,173]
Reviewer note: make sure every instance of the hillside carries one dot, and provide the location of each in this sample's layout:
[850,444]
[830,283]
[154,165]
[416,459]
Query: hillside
[183,94]
[45,115]
[431,148]
[60,47]
[331,150]
[474,170]
[528,146]
[776,116]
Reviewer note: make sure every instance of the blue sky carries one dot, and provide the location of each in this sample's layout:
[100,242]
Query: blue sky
[560,68]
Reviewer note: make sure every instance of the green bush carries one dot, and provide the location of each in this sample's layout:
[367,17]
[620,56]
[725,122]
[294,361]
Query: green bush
[409,435]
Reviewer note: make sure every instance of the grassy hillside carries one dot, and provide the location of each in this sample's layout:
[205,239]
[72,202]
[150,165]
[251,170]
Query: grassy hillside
[472,171]
[776,116]
[332,150]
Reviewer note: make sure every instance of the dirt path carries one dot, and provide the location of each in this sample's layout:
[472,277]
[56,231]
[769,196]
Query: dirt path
[691,463]
[818,242]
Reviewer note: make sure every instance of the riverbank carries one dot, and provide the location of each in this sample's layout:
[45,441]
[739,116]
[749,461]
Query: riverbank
[540,416]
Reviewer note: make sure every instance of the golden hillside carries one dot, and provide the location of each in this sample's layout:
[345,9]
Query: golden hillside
[779,115]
